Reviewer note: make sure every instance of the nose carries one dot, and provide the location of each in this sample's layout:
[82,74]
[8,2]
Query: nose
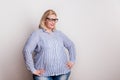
[53,22]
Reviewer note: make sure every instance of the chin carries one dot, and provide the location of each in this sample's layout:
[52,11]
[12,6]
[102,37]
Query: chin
[52,27]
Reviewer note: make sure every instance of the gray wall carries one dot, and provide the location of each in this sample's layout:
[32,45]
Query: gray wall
[93,25]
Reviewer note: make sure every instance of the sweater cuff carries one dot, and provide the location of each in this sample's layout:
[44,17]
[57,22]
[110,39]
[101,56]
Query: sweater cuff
[33,70]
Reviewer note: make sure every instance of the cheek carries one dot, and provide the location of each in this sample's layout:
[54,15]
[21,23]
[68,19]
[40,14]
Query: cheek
[46,23]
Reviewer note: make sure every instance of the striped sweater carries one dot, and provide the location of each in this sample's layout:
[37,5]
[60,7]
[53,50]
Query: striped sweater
[47,51]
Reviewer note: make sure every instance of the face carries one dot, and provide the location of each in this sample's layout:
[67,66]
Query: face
[50,21]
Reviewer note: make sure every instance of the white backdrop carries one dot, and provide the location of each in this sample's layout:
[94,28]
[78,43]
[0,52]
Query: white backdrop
[93,25]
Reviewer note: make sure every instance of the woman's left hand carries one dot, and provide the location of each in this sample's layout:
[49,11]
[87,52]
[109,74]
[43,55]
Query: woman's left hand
[70,64]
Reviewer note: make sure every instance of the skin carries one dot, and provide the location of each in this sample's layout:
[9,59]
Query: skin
[50,25]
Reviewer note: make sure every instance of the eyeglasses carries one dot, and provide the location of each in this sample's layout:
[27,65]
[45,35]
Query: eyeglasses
[51,19]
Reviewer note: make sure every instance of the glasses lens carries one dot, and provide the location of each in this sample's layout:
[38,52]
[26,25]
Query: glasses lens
[51,19]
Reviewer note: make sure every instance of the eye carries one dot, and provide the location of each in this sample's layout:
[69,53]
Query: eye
[52,19]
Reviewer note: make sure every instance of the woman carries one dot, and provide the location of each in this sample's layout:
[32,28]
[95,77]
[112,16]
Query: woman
[50,61]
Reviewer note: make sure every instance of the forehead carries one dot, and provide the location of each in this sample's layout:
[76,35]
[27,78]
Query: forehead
[52,16]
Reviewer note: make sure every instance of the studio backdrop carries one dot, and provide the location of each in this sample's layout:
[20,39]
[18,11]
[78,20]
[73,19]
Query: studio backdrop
[93,26]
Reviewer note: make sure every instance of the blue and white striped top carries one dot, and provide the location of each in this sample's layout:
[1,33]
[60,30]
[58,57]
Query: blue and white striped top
[46,51]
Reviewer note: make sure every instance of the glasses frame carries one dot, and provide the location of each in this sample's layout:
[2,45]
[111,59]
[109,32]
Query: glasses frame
[52,19]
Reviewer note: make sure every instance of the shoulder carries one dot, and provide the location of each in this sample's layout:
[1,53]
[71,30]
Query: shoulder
[59,32]
[36,32]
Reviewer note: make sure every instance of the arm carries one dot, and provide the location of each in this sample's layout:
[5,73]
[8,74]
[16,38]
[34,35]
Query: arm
[69,45]
[28,50]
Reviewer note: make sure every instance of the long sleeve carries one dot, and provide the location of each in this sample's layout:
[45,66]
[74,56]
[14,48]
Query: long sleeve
[28,50]
[70,47]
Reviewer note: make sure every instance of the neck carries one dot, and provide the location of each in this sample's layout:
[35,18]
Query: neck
[48,30]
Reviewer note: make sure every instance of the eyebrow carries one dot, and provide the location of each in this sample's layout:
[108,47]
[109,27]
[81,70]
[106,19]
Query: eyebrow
[51,18]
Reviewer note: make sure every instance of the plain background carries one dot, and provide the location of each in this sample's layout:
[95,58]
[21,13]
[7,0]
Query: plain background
[93,25]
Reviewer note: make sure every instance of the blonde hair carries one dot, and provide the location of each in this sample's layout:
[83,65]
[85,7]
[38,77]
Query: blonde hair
[45,15]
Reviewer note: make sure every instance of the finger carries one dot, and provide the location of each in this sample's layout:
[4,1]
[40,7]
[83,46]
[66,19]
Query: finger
[41,71]
[70,66]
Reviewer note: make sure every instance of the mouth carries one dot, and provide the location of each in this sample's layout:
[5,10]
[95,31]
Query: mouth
[51,24]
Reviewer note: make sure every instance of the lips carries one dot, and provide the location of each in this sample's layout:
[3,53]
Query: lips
[51,24]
